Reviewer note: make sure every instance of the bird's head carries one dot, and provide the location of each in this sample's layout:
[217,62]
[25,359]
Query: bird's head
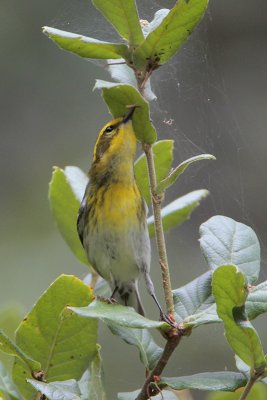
[115,145]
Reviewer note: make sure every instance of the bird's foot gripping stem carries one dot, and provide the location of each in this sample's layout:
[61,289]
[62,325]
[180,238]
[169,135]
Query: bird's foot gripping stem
[168,319]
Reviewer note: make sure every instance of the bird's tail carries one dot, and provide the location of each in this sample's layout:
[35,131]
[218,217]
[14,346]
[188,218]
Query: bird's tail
[128,295]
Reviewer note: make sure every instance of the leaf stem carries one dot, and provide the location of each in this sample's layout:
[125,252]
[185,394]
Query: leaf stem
[156,202]
[169,348]
[248,387]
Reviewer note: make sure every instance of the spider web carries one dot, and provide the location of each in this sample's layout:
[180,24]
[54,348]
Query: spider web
[192,108]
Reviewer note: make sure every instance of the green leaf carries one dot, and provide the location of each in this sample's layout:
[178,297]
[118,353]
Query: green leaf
[97,391]
[66,390]
[149,351]
[223,380]
[242,367]
[164,395]
[6,384]
[124,17]
[208,316]
[229,290]
[9,347]
[118,97]
[163,158]
[148,94]
[62,342]
[66,191]
[258,392]
[225,241]
[89,387]
[157,20]
[172,177]
[84,384]
[117,314]
[85,46]
[193,298]
[194,304]
[164,41]
[178,211]
[256,303]
[121,73]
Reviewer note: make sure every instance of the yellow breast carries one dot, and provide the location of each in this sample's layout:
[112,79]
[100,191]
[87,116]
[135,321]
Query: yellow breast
[119,206]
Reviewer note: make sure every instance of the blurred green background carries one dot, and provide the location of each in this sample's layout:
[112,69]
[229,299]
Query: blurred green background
[212,98]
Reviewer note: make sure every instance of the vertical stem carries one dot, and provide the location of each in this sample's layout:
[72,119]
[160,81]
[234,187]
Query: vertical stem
[248,387]
[156,202]
[169,348]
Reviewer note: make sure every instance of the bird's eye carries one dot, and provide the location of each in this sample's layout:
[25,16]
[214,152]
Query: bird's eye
[109,129]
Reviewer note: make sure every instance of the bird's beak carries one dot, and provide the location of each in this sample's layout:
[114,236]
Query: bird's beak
[129,115]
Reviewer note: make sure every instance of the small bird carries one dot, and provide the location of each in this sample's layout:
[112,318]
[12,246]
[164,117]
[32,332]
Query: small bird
[112,217]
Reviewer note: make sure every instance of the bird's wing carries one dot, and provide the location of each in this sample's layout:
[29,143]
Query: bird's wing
[81,218]
[145,207]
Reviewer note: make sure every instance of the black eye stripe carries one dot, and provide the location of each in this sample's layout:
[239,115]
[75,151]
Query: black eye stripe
[105,139]
[109,128]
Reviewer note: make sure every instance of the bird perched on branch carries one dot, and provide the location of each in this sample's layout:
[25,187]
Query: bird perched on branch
[112,217]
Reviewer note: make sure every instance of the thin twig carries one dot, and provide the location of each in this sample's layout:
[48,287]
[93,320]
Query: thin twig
[169,348]
[174,335]
[248,387]
[156,202]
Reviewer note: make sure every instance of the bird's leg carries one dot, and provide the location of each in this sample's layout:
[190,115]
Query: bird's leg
[151,290]
[164,317]
[111,299]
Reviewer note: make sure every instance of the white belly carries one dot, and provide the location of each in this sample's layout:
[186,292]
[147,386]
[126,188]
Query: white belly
[119,258]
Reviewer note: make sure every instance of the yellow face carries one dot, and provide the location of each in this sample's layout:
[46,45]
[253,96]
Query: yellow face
[116,142]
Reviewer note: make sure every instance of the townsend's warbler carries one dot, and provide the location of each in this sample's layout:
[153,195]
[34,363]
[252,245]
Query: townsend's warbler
[112,217]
